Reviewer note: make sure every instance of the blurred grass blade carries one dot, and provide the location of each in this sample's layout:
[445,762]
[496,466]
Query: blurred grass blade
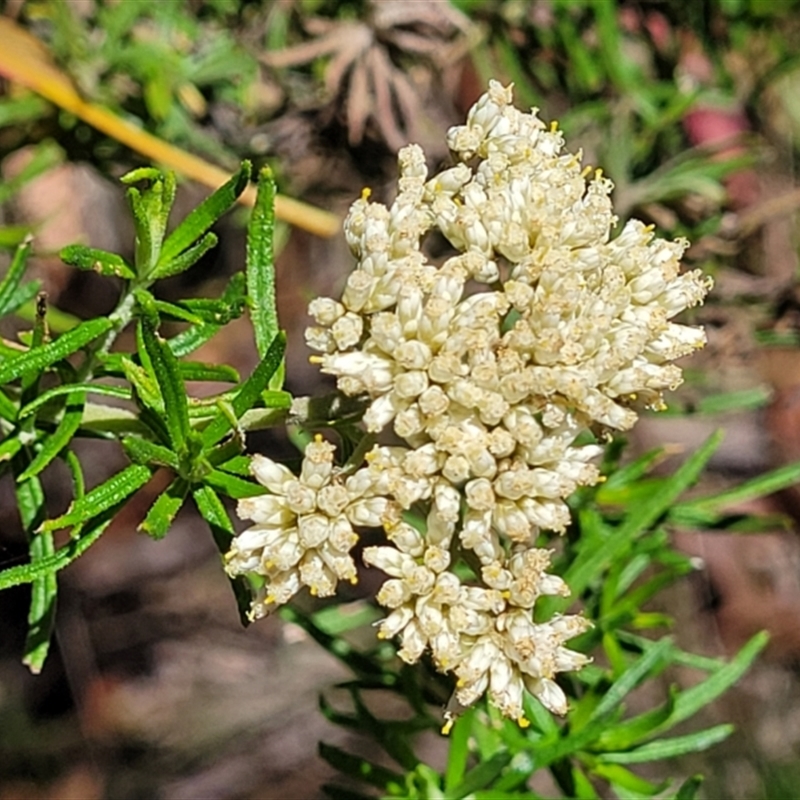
[591,561]
[361,769]
[13,277]
[28,573]
[261,264]
[23,58]
[671,748]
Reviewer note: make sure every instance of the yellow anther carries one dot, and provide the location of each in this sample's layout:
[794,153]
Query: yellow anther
[554,126]
[598,174]
[317,438]
[460,683]
[365,193]
[602,479]
[315,359]
[523,722]
[448,726]
[650,228]
[587,170]
[506,595]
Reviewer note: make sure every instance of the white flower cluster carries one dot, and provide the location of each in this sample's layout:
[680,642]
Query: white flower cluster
[494,369]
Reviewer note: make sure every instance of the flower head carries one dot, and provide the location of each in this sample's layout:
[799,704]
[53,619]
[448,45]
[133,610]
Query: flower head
[496,367]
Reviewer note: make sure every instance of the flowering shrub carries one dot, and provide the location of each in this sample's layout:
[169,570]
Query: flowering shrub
[497,370]
[476,394]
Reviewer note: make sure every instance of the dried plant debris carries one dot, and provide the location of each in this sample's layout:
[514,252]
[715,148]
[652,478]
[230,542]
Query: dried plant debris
[382,70]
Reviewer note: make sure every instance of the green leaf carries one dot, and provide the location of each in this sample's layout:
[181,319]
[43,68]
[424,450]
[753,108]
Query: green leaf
[151,208]
[690,788]
[233,486]
[13,277]
[458,753]
[204,216]
[22,296]
[481,776]
[41,614]
[167,375]
[186,259]
[213,512]
[68,388]
[141,451]
[36,360]
[28,573]
[261,264]
[198,371]
[46,155]
[360,769]
[144,386]
[708,509]
[626,780]
[250,392]
[689,702]
[162,513]
[61,436]
[671,748]
[103,497]
[101,261]
[590,562]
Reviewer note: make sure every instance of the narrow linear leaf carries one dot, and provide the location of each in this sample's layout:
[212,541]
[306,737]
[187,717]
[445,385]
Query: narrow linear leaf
[250,392]
[232,485]
[689,702]
[671,748]
[27,573]
[690,788]
[23,295]
[213,512]
[481,776]
[162,513]
[141,451]
[9,448]
[458,753]
[107,495]
[657,657]
[204,216]
[41,614]
[100,261]
[13,277]
[589,563]
[261,264]
[174,311]
[198,371]
[192,338]
[170,384]
[709,507]
[360,768]
[38,359]
[186,259]
[87,388]
[8,409]
[143,385]
[61,437]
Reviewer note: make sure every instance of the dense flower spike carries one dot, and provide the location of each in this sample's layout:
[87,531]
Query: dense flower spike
[497,367]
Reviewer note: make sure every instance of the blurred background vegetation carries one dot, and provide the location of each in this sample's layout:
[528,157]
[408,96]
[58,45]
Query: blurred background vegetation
[693,110]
